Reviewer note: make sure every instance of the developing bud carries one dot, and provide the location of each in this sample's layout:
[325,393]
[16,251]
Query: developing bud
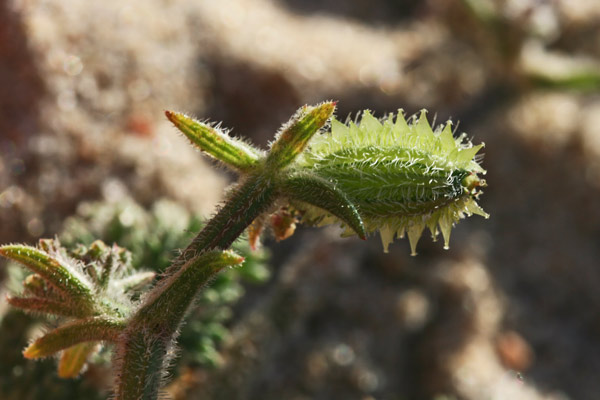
[402,177]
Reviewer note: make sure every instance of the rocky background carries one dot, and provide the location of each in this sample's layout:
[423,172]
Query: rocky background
[511,311]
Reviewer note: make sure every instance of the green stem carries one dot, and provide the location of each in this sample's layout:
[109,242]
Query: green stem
[140,359]
[245,203]
[150,332]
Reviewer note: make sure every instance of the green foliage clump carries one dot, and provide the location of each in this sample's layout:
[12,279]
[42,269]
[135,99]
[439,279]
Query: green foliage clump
[152,237]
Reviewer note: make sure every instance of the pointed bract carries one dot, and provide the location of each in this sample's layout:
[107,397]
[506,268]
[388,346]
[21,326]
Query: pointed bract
[174,295]
[232,152]
[295,135]
[73,360]
[135,281]
[70,334]
[53,307]
[60,272]
[318,192]
[254,231]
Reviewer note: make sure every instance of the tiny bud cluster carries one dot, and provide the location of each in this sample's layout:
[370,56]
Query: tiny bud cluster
[92,287]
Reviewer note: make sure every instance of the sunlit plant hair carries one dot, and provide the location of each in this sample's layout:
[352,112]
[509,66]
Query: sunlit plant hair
[388,175]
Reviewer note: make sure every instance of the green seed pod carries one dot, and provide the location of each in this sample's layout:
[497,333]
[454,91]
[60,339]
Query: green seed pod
[402,177]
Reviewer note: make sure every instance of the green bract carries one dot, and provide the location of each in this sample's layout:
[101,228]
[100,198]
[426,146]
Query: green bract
[402,177]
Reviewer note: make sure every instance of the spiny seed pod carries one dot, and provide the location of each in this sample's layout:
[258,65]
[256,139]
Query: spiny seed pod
[402,177]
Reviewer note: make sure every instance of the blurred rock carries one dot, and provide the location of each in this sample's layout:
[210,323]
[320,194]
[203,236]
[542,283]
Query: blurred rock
[88,85]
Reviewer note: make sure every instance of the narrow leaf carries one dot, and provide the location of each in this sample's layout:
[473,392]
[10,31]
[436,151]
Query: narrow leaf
[173,295]
[74,358]
[232,152]
[56,272]
[48,306]
[136,281]
[68,335]
[296,134]
[321,193]
[35,285]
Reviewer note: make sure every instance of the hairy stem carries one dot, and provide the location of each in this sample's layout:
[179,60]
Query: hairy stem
[245,203]
[139,370]
[150,332]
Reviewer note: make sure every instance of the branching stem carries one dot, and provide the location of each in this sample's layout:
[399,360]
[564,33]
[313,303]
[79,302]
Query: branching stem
[150,332]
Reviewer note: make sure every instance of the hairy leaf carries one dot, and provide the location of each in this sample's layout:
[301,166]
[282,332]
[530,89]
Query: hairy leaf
[230,151]
[295,135]
[74,358]
[318,192]
[84,330]
[49,306]
[171,299]
[60,272]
